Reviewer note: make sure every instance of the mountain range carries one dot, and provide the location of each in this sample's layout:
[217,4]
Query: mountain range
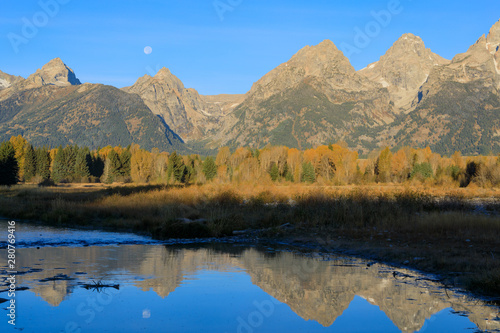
[411,96]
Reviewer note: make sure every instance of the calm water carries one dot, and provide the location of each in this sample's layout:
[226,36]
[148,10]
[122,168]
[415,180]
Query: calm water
[136,285]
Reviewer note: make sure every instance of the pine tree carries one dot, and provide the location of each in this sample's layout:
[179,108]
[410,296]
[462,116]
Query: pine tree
[209,168]
[106,173]
[63,169]
[176,167]
[115,165]
[308,174]
[70,153]
[82,170]
[29,163]
[274,172]
[190,173]
[97,166]
[125,157]
[286,170]
[58,168]
[42,163]
[8,164]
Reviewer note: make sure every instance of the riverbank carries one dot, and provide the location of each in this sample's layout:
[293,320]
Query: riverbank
[452,233]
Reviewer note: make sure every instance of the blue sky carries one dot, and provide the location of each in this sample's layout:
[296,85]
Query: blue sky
[220,46]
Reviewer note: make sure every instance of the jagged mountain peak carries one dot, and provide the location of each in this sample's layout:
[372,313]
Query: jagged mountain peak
[163,78]
[322,62]
[164,72]
[409,37]
[317,59]
[494,35]
[404,68]
[55,72]
[412,46]
[484,52]
[54,62]
[183,109]
[323,47]
[481,56]
[166,77]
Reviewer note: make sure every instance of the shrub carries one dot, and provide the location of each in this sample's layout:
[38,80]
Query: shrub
[421,171]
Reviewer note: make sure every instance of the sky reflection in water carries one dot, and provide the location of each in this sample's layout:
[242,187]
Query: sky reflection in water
[227,288]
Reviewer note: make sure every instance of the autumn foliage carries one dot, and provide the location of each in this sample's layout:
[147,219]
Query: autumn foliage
[334,164]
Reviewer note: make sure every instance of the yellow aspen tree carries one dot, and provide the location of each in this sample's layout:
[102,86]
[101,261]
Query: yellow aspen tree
[399,166]
[427,154]
[52,153]
[279,157]
[350,165]
[222,174]
[239,156]
[266,159]
[294,161]
[249,170]
[104,152]
[383,165]
[434,161]
[223,156]
[325,162]
[20,144]
[458,160]
[140,165]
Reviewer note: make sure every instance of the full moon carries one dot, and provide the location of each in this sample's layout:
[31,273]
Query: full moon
[148,49]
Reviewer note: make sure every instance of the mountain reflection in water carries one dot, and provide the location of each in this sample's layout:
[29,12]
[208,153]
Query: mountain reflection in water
[228,288]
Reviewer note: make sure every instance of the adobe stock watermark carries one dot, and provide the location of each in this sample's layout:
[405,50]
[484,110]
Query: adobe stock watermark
[364,36]
[256,319]
[31,26]
[153,71]
[266,308]
[89,309]
[11,271]
[223,6]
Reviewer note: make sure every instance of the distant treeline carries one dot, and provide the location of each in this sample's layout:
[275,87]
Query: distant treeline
[334,164]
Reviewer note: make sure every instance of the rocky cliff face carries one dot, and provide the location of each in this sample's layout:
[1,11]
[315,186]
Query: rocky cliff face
[403,69]
[313,98]
[7,80]
[457,107]
[166,96]
[478,63]
[223,104]
[184,110]
[323,62]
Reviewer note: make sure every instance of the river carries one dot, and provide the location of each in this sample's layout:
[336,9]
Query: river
[93,281]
